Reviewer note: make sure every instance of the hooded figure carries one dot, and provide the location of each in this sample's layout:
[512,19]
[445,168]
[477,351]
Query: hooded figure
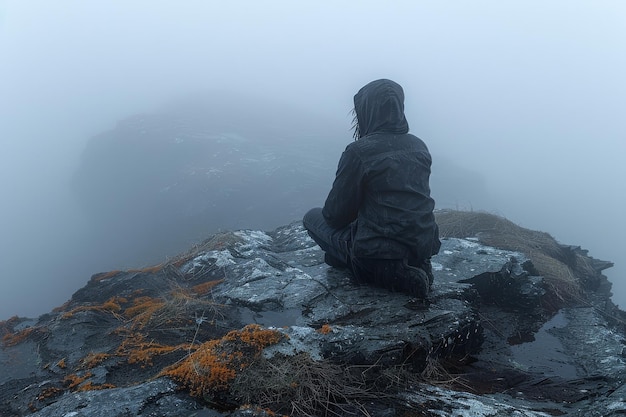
[378,218]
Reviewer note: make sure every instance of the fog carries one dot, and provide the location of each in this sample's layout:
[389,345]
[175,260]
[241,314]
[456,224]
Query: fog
[530,96]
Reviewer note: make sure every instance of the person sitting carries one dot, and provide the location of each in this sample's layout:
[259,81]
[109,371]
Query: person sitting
[378,218]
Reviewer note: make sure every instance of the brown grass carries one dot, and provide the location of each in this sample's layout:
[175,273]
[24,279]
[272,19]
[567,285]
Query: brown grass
[179,305]
[300,386]
[564,279]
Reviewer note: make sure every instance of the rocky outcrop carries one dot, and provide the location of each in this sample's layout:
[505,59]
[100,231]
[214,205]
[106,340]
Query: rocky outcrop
[254,323]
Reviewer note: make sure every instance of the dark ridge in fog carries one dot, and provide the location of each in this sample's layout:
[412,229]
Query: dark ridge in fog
[165,180]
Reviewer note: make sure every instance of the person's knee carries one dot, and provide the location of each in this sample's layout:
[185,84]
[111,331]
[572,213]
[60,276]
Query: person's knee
[311,217]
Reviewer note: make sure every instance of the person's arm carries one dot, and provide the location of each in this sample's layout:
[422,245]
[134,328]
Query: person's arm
[343,201]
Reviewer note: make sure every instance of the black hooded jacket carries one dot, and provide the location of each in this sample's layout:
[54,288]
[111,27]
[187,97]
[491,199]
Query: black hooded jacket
[382,182]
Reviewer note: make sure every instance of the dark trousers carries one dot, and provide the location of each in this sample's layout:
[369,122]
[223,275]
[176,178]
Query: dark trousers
[337,245]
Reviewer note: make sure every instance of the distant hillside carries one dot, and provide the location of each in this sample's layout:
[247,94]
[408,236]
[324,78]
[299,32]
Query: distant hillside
[159,182]
[205,164]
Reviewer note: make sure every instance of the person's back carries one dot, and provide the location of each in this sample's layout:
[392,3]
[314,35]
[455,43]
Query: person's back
[378,218]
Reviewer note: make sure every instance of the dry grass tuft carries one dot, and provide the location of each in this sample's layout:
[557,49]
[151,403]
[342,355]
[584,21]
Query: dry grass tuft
[179,305]
[495,231]
[564,279]
[139,350]
[300,386]
[176,306]
[12,339]
[29,333]
[143,310]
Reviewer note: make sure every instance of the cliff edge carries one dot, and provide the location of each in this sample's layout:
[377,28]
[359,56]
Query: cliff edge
[254,323]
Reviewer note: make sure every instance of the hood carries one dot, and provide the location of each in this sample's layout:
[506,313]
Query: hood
[379,107]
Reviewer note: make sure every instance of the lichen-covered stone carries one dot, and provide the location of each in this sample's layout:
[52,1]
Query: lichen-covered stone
[487,323]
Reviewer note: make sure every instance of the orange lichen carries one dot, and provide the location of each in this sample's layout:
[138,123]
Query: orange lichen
[90,386]
[7,327]
[122,331]
[205,287]
[145,353]
[255,335]
[137,350]
[205,370]
[94,359]
[79,383]
[69,314]
[325,329]
[62,364]
[215,364]
[12,339]
[73,381]
[49,392]
[143,309]
[112,305]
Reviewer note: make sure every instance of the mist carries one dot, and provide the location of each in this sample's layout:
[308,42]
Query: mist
[527,97]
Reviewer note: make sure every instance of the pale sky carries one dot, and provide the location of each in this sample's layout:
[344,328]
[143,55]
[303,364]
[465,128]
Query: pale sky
[530,94]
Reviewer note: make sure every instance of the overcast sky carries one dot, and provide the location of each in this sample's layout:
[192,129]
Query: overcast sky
[530,94]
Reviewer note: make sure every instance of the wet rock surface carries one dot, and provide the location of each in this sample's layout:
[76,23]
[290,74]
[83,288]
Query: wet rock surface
[251,323]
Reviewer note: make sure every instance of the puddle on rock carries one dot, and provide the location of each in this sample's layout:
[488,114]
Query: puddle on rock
[546,353]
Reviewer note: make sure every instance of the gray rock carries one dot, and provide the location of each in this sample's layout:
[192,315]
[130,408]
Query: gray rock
[155,398]
[485,327]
